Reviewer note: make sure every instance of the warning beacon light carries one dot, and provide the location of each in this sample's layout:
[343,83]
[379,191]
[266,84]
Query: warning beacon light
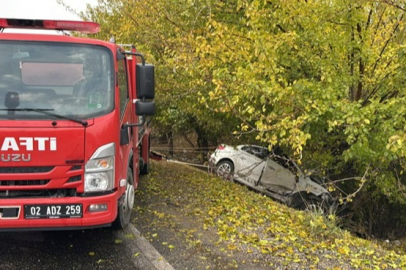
[79,26]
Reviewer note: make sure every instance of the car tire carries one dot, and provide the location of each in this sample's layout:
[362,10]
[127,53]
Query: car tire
[225,169]
[125,208]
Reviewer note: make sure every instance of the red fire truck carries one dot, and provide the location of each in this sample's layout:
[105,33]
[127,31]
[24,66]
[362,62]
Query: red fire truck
[74,134]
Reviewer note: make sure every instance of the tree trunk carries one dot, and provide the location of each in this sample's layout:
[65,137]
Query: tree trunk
[170,143]
[202,142]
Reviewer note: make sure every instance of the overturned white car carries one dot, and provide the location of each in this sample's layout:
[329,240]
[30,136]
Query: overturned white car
[272,174]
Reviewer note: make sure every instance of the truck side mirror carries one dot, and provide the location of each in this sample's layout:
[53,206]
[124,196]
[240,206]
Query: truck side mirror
[145,81]
[144,107]
[12,100]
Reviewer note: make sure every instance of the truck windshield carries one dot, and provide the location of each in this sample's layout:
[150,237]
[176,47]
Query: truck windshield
[72,80]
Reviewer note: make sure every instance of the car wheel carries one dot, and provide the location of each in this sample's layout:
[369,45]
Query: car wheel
[225,169]
[126,207]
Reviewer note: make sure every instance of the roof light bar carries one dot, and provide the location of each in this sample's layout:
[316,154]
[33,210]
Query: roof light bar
[80,26]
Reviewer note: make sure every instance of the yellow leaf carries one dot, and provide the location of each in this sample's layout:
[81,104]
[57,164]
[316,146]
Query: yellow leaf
[129,236]
[232,247]
[292,238]
[264,251]
[344,250]
[369,252]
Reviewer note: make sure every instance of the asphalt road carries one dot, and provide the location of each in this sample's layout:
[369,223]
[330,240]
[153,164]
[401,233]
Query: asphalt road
[87,249]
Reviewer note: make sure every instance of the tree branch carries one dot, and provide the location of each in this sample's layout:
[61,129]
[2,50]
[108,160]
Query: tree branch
[393,4]
[386,44]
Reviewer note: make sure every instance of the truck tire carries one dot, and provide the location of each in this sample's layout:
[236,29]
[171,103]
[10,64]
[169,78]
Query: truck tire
[145,168]
[125,208]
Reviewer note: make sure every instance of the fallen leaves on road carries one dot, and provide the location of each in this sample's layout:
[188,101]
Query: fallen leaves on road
[250,226]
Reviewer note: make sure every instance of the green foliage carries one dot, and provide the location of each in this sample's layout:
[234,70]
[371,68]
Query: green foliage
[165,31]
[322,78]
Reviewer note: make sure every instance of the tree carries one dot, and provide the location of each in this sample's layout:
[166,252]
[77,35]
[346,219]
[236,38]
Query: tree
[324,78]
[165,32]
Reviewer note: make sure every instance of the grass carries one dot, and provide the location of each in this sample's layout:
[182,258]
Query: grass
[250,227]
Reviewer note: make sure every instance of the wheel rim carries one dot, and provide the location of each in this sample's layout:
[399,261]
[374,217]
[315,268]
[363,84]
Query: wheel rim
[224,170]
[129,199]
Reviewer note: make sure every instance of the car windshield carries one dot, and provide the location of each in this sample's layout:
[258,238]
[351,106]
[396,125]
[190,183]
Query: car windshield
[282,159]
[69,80]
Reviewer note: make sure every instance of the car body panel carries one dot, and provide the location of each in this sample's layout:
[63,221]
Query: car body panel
[248,167]
[275,176]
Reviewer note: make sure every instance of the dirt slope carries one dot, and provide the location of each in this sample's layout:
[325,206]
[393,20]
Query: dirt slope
[198,221]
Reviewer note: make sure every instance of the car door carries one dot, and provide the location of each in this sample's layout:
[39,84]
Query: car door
[278,179]
[249,165]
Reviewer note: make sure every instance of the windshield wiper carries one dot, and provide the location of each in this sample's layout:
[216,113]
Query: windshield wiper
[47,112]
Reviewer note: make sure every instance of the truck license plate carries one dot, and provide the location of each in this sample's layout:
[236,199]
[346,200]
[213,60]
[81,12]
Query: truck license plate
[32,211]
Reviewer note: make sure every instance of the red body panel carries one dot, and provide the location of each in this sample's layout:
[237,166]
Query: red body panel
[65,148]
[40,145]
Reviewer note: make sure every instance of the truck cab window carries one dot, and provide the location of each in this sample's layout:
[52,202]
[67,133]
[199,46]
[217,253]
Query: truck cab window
[70,80]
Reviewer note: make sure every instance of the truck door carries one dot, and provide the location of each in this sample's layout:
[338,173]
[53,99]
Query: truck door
[126,113]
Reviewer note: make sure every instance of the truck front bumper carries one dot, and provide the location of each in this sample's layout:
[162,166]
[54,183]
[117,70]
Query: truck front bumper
[18,219]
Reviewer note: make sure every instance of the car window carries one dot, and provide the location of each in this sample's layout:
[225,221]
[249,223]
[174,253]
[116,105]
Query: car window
[262,153]
[259,152]
[285,162]
[247,149]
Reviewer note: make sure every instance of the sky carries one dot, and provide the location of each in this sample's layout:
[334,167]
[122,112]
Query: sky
[42,9]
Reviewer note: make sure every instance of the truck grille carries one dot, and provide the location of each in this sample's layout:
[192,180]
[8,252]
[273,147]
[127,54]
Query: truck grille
[74,179]
[26,169]
[37,188]
[76,167]
[45,193]
[23,182]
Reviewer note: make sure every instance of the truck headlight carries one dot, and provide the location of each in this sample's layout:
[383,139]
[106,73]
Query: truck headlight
[99,174]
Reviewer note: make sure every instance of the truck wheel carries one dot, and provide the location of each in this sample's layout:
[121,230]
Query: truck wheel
[125,209]
[145,169]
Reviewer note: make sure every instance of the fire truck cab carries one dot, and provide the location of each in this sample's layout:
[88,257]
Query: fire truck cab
[74,134]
